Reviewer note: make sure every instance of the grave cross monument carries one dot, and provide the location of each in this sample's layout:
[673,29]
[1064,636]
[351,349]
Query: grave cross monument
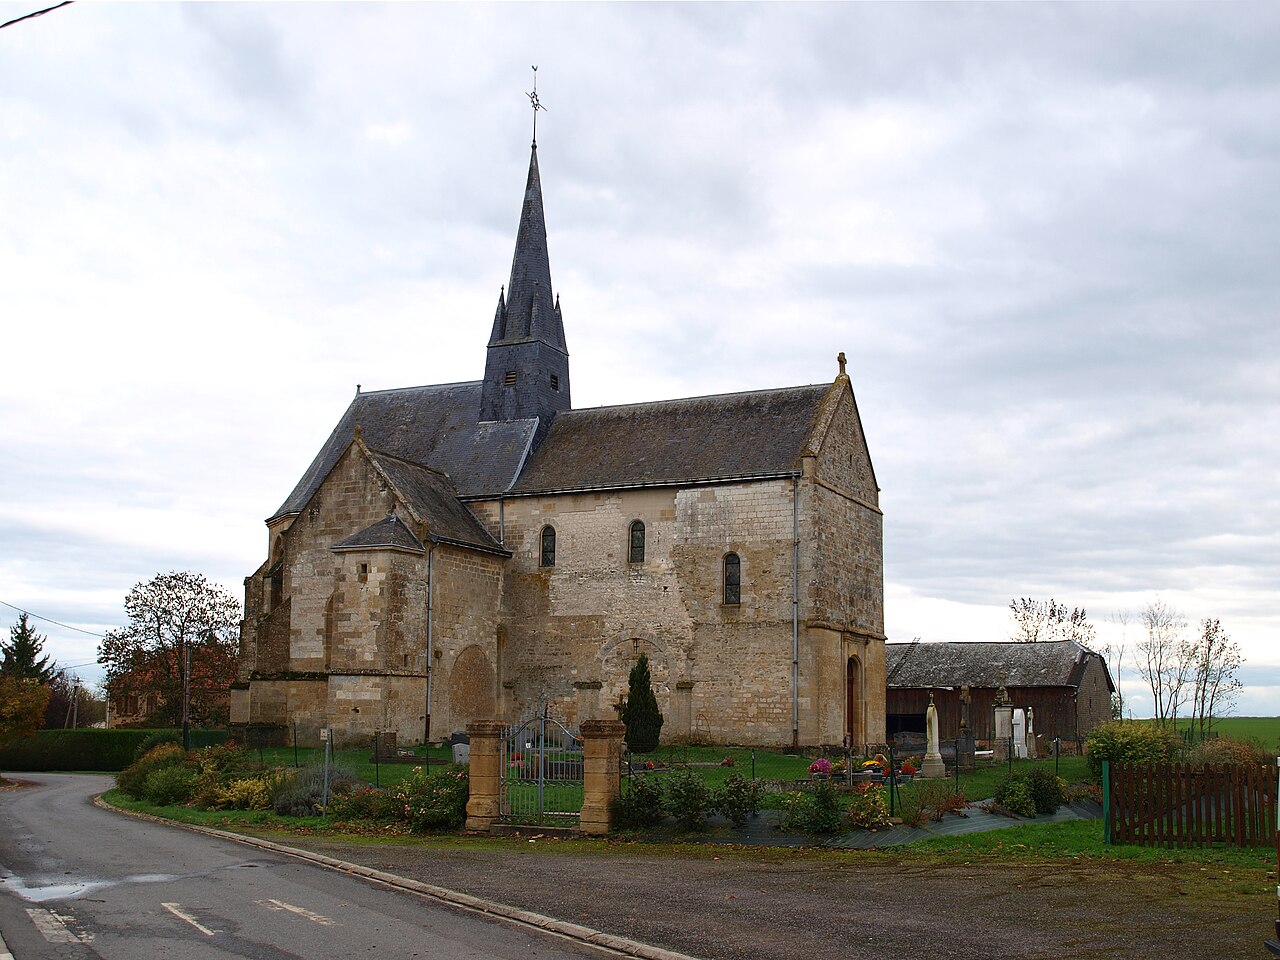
[933,765]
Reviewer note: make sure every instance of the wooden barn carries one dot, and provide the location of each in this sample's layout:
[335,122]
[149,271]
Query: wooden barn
[1068,687]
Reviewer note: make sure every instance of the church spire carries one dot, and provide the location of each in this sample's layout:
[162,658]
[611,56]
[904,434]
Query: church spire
[529,312]
[526,372]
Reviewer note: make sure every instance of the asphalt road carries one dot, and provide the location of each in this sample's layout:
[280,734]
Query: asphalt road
[77,881]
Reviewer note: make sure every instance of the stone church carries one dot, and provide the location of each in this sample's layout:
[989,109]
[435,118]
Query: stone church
[460,551]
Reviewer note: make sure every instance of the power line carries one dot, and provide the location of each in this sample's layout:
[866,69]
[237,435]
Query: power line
[65,626]
[38,13]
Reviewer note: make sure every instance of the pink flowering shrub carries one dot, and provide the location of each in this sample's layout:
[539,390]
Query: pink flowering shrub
[433,801]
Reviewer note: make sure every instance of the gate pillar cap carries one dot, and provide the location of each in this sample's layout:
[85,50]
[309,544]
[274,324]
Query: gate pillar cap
[484,728]
[602,728]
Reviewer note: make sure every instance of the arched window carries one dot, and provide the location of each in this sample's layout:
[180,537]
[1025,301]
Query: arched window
[636,553]
[548,556]
[732,578]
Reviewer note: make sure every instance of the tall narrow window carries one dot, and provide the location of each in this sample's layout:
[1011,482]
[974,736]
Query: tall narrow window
[548,557]
[636,553]
[732,579]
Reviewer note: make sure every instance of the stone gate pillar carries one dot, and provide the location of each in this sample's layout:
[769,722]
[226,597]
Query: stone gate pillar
[484,805]
[601,772]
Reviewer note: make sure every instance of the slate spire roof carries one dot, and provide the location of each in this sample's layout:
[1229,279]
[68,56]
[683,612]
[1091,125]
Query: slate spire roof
[529,310]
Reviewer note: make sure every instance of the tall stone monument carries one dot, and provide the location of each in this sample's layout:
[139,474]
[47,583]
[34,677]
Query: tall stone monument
[1002,745]
[933,765]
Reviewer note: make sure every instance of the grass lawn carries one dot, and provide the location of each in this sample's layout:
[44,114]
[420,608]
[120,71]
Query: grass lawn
[357,761]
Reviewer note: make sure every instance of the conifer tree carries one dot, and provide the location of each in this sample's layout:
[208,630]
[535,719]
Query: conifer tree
[21,655]
[641,714]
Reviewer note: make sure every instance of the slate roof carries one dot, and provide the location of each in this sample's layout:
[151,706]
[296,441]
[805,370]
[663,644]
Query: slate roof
[433,425]
[432,496]
[388,532]
[1058,663]
[723,437]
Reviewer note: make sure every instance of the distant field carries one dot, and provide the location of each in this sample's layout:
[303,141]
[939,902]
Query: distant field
[1265,730]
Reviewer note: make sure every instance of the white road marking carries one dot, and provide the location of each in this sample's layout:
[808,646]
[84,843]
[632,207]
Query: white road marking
[57,928]
[177,911]
[300,911]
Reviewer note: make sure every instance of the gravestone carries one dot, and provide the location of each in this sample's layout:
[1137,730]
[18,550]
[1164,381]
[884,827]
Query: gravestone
[1030,744]
[1003,715]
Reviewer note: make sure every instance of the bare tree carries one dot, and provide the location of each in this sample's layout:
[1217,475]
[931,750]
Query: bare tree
[1215,684]
[1114,654]
[1040,621]
[1166,660]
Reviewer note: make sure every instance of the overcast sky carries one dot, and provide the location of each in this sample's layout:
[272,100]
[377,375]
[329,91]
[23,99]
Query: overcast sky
[1047,237]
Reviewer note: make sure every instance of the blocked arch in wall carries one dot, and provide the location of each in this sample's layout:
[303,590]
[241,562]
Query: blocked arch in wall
[617,659]
[472,683]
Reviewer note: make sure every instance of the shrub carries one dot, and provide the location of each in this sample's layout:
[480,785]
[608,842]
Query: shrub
[818,811]
[641,714]
[300,793]
[640,805]
[1048,791]
[1014,794]
[689,799]
[108,750]
[155,740]
[1122,741]
[1224,750]
[738,799]
[867,809]
[930,800]
[250,793]
[366,803]
[169,785]
[433,801]
[132,779]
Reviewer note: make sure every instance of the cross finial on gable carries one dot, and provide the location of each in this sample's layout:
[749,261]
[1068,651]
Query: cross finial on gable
[841,360]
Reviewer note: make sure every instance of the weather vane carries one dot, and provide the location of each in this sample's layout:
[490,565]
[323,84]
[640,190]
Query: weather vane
[536,104]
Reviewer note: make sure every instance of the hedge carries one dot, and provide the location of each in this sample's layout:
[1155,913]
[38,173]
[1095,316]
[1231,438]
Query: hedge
[105,750]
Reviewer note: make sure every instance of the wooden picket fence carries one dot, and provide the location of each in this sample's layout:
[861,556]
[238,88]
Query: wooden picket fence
[1178,805]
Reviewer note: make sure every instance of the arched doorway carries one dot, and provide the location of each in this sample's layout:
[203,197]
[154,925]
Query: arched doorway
[854,725]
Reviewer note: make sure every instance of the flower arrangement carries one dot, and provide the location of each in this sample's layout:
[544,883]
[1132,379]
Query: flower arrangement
[728,761]
[839,767]
[650,765]
[907,769]
[821,765]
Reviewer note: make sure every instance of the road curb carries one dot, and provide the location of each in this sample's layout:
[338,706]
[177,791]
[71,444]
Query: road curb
[455,898]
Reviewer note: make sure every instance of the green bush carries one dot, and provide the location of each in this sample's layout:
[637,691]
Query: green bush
[1014,794]
[133,778]
[106,750]
[1125,741]
[433,801]
[689,799]
[1048,791]
[169,785]
[640,804]
[817,811]
[738,799]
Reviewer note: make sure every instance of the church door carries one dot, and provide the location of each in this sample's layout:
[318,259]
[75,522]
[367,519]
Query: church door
[853,705]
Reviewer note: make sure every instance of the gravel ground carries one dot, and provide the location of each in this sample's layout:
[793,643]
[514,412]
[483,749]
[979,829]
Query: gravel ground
[756,904]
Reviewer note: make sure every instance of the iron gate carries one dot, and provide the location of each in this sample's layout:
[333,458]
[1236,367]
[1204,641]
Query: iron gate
[541,764]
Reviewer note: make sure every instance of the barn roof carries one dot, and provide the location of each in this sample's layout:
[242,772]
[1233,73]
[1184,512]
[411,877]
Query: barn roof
[1058,663]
